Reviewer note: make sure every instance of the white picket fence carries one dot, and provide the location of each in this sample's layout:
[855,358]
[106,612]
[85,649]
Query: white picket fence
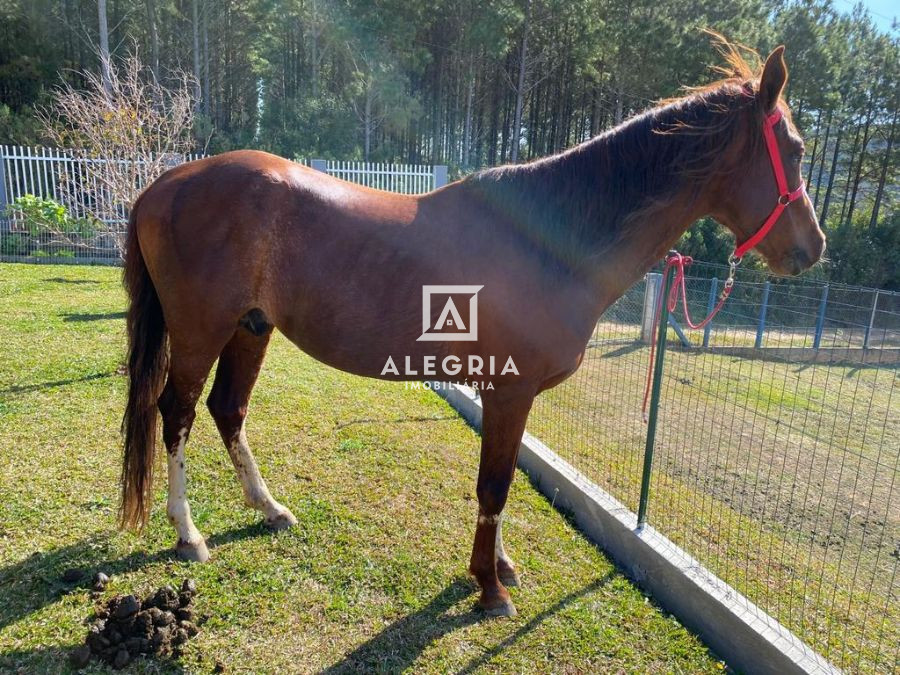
[55,174]
[51,173]
[404,178]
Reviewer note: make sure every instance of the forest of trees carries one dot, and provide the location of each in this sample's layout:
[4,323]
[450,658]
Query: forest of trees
[474,83]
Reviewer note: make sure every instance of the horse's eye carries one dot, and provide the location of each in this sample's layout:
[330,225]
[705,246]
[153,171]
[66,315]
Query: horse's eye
[797,157]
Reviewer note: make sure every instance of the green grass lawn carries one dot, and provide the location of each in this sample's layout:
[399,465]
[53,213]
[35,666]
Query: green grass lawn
[381,479]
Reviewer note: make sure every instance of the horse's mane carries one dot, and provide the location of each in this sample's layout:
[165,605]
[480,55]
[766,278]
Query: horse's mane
[584,199]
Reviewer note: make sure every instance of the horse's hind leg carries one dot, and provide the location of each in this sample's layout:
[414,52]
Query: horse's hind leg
[187,374]
[236,374]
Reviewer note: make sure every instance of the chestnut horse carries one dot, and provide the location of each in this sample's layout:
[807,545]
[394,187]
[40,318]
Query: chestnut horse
[223,250]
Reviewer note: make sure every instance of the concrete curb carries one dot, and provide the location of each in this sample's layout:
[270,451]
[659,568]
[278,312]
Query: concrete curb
[748,639]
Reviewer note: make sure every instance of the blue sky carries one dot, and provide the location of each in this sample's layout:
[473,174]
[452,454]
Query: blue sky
[882,11]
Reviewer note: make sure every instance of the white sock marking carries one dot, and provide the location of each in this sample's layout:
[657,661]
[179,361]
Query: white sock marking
[256,493]
[177,507]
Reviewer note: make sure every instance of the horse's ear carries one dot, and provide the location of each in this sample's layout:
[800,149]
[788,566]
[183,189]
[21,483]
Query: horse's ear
[772,81]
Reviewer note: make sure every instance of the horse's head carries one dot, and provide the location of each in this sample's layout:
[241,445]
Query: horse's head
[764,202]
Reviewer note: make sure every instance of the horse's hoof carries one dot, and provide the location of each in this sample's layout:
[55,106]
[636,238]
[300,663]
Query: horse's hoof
[282,521]
[193,552]
[504,608]
[497,603]
[508,577]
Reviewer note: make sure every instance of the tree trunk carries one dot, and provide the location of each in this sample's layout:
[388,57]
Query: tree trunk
[879,192]
[504,132]
[859,164]
[814,154]
[207,92]
[533,116]
[104,46]
[314,49]
[494,127]
[618,114]
[195,29]
[849,174]
[467,133]
[834,159]
[822,160]
[150,6]
[367,123]
[437,105]
[520,86]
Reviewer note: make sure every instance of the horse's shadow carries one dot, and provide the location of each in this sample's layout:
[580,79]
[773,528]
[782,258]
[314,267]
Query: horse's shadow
[41,386]
[62,280]
[77,317]
[36,582]
[51,659]
[624,350]
[398,646]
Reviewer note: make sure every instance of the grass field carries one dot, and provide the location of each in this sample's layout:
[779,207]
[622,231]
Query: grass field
[781,478]
[380,477]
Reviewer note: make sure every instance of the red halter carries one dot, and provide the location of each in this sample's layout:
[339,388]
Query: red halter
[785,196]
[678,261]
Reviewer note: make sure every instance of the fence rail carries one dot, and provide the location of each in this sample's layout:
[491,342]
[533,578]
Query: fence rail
[99,218]
[777,454]
[789,314]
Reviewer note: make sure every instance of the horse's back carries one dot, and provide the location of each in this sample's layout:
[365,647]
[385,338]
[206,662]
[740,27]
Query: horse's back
[218,183]
[253,189]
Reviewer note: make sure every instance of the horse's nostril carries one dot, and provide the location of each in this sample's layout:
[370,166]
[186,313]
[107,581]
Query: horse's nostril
[801,259]
[800,255]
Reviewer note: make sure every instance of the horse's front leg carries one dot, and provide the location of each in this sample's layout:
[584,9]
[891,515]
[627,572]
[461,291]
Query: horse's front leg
[503,424]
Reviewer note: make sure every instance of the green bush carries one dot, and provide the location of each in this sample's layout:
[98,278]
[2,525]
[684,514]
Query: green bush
[865,255]
[13,244]
[40,216]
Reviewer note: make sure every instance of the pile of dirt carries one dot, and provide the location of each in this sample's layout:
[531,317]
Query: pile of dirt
[126,627]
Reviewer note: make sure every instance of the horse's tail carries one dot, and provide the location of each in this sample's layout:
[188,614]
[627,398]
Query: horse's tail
[147,363]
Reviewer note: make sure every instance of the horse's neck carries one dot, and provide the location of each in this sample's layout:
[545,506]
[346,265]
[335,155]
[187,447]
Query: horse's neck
[588,210]
[648,239]
[640,208]
[655,207]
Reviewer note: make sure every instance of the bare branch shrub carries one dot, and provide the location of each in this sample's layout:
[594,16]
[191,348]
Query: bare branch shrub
[120,140]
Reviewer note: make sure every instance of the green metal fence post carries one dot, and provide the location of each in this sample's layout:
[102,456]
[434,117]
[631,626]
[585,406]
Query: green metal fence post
[654,399]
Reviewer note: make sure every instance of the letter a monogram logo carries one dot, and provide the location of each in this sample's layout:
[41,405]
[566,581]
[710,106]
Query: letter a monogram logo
[449,326]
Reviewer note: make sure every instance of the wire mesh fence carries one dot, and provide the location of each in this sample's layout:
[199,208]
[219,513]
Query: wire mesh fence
[777,451]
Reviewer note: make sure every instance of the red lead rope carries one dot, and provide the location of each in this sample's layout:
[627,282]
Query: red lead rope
[679,262]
